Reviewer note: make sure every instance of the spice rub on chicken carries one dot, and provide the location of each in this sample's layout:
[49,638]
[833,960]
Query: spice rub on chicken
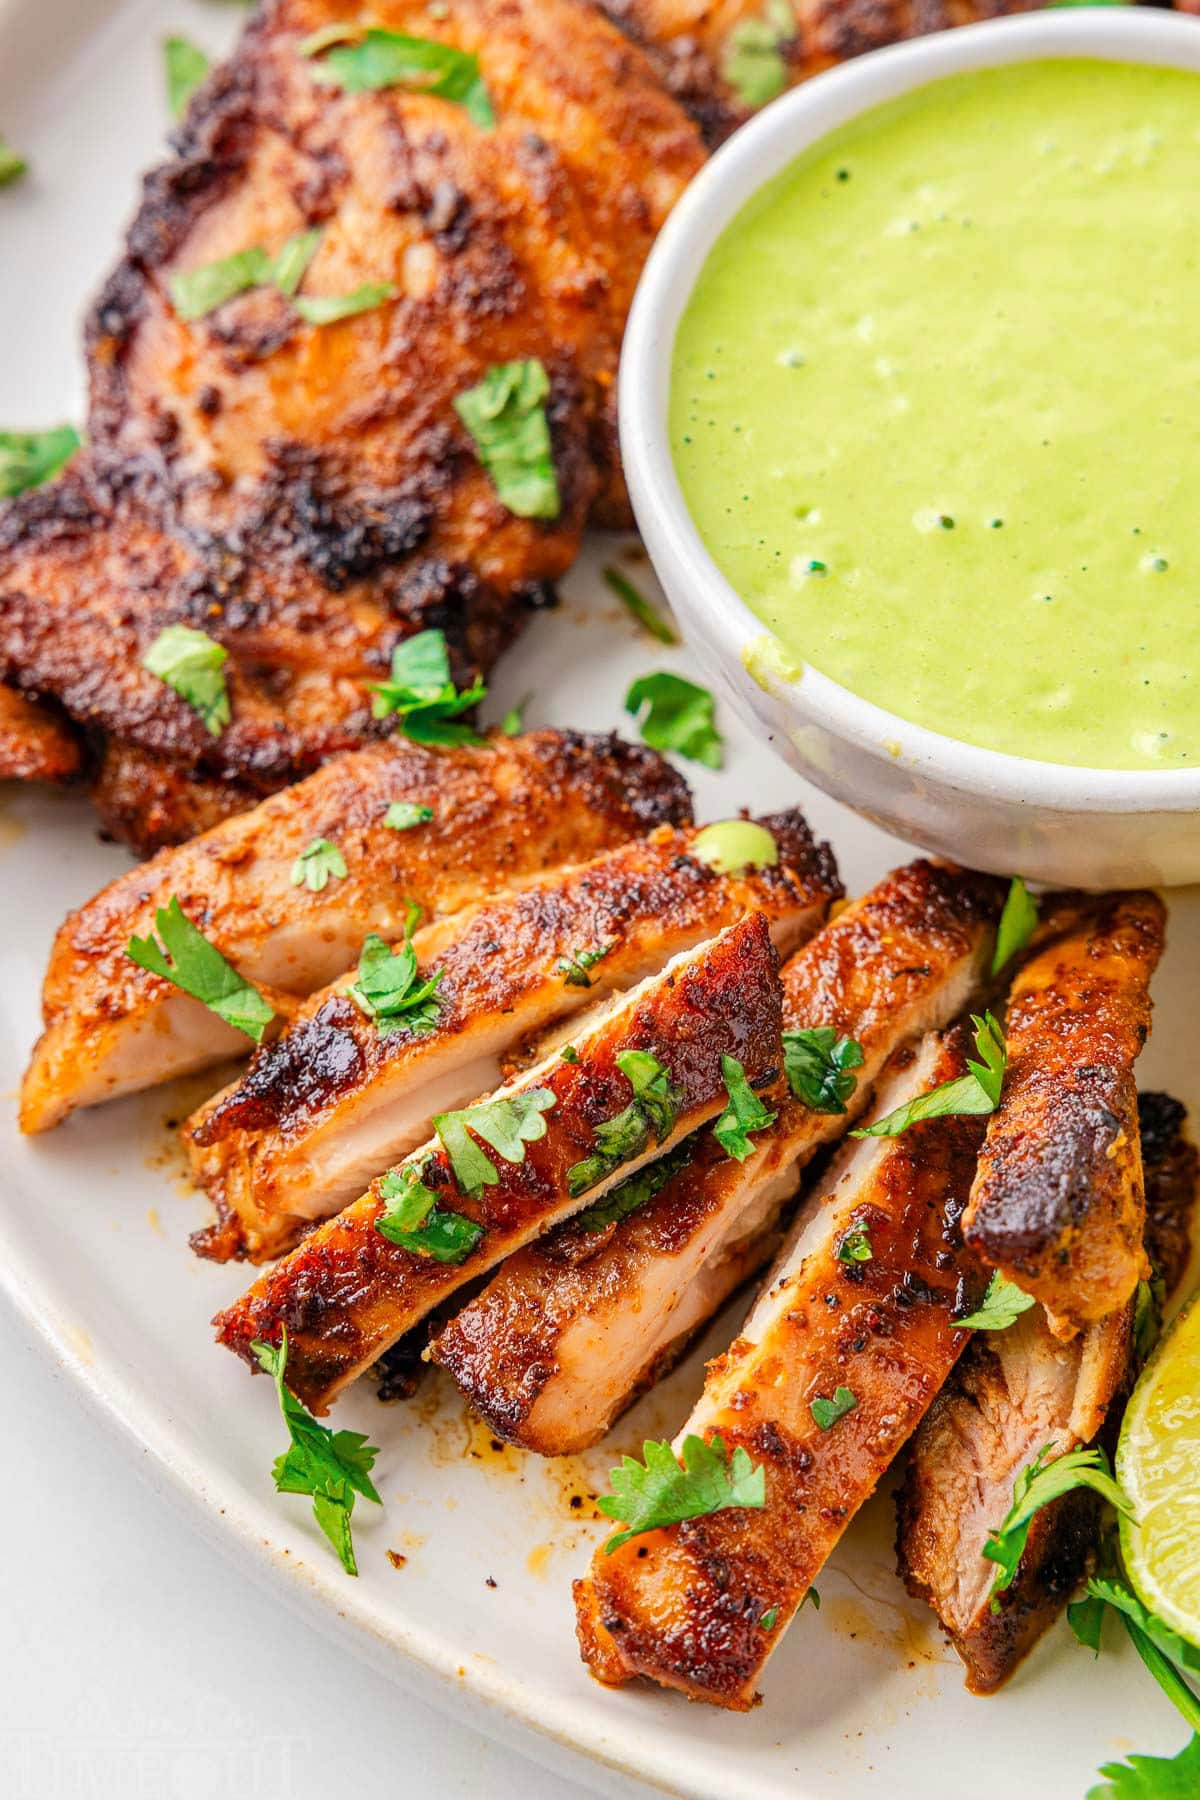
[572,1328]
[850,1339]
[353,377]
[499,814]
[1058,1204]
[648,1071]
[343,1093]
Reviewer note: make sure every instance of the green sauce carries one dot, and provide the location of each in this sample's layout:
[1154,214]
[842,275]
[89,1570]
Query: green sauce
[935,409]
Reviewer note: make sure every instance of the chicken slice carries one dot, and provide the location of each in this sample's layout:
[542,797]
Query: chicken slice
[571,1329]
[34,745]
[501,814]
[1058,1203]
[348,1293]
[337,1098]
[701,1606]
[1014,1393]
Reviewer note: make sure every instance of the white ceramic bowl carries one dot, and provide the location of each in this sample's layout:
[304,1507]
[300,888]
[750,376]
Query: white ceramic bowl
[1048,821]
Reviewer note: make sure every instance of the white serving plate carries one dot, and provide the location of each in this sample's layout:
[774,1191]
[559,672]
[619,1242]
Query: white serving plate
[863,1700]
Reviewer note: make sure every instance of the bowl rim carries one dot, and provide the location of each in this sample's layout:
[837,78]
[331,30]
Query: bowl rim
[749,159]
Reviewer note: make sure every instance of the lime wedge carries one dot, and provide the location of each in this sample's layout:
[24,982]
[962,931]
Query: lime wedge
[1158,1465]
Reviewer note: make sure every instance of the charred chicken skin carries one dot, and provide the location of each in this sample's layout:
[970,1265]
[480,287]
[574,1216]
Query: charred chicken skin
[306,494]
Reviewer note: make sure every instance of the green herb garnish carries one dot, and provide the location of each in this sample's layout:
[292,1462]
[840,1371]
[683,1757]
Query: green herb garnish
[818,1063]
[639,607]
[505,414]
[28,458]
[327,309]
[744,1114]
[569,1054]
[12,165]
[1147,1777]
[855,1246]
[197,292]
[331,1466]
[513,721]
[402,815]
[1036,1487]
[1018,922]
[635,1190]
[1001,1306]
[662,1493]
[753,62]
[422,694]
[186,66]
[574,967]
[193,664]
[189,962]
[412,1218]
[387,59]
[507,1125]
[828,1412]
[978,1092]
[767,1622]
[654,1108]
[316,863]
[677,716]
[387,989]
[732,846]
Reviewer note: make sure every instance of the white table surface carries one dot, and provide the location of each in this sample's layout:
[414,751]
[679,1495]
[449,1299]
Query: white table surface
[136,1664]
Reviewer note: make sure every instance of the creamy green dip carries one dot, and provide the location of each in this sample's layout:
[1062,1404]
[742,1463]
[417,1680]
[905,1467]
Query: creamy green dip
[935,408]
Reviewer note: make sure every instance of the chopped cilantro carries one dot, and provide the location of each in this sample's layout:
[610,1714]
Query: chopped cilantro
[1035,1487]
[316,863]
[744,1114]
[753,62]
[387,989]
[818,1064]
[855,1246]
[1001,1306]
[327,309]
[574,967]
[507,1125]
[402,815]
[654,1108]
[1018,922]
[978,1092]
[422,695]
[386,59]
[189,962]
[28,458]
[674,714]
[412,1218]
[186,67]
[661,1492]
[637,605]
[828,1412]
[635,1190]
[505,414]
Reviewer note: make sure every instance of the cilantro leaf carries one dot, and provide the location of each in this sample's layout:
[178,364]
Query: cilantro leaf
[291,265]
[27,458]
[387,989]
[855,1246]
[817,1063]
[828,1412]
[331,1466]
[978,1092]
[193,664]
[635,1190]
[12,165]
[316,863]
[505,414]
[663,1493]
[327,309]
[574,967]
[412,1219]
[1147,1777]
[1035,1487]
[769,1618]
[744,1114]
[1018,922]
[654,1108]
[1086,1619]
[189,962]
[402,815]
[387,59]
[1177,1649]
[678,716]
[753,62]
[197,292]
[1149,1300]
[636,604]
[186,66]
[422,694]
[1001,1306]
[507,1125]
[569,1053]
[513,721]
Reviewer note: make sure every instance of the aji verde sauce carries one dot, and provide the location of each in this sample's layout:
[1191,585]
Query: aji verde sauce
[935,409]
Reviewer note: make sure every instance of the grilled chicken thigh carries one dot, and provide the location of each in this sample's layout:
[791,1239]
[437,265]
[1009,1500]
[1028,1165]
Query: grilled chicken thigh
[571,1329]
[34,746]
[348,1293]
[1058,1203]
[700,1606]
[1014,1393]
[337,1098]
[306,493]
[501,815]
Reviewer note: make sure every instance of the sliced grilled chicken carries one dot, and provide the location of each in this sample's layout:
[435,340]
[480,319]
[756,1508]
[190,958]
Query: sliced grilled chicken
[1012,1394]
[1058,1203]
[347,1293]
[571,1329]
[336,1098]
[701,1606]
[501,814]
[34,745]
